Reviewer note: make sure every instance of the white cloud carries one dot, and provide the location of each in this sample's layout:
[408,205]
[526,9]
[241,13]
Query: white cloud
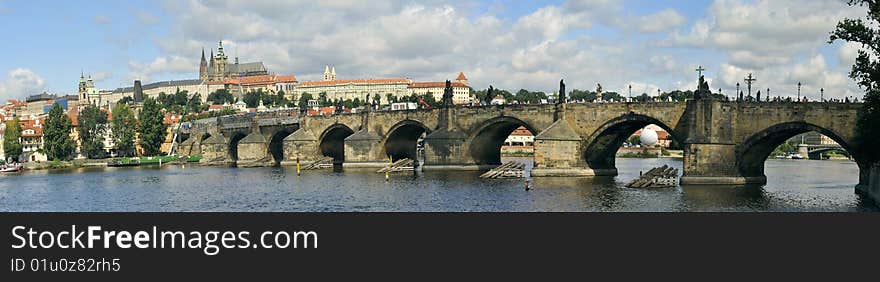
[161,65]
[101,76]
[764,32]
[848,53]
[664,20]
[19,83]
[434,40]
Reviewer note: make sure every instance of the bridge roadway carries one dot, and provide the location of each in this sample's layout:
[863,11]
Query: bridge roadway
[725,143]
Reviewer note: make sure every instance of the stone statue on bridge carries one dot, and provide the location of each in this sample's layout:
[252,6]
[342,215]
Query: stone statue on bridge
[446,101]
[367,105]
[702,89]
[560,99]
[489,95]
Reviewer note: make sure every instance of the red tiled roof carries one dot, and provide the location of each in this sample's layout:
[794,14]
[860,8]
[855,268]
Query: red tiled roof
[328,110]
[260,79]
[360,81]
[521,131]
[32,124]
[170,118]
[215,107]
[440,84]
[461,76]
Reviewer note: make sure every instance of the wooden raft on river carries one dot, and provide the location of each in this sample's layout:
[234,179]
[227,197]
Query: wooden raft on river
[399,166]
[658,177]
[325,162]
[506,170]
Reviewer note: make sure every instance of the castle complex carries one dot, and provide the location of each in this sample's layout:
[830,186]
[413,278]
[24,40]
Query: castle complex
[218,68]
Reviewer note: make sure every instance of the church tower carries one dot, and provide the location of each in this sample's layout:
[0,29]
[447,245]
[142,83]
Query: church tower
[203,67]
[212,75]
[88,94]
[83,93]
[220,64]
[327,76]
[461,78]
[333,73]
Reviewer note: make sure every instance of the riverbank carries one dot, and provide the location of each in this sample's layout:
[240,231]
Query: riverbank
[135,161]
[65,164]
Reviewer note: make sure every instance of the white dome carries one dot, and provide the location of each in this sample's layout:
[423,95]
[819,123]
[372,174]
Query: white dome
[648,137]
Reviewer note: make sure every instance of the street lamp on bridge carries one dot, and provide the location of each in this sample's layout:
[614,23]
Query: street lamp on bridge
[799,91]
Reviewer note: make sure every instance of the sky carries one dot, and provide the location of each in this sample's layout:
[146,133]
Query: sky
[650,45]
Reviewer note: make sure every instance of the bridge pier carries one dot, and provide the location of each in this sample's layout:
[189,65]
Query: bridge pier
[215,151]
[363,149]
[253,151]
[302,145]
[558,152]
[869,182]
[186,147]
[714,164]
[448,150]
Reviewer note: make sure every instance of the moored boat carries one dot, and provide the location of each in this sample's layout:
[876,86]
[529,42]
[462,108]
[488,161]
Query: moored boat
[11,168]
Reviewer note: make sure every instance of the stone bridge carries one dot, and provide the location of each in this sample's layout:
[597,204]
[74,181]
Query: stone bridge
[724,142]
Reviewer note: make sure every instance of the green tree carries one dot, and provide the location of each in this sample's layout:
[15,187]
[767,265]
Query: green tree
[195,104]
[280,98]
[123,130]
[391,98]
[252,99]
[429,99]
[866,73]
[304,100]
[126,100]
[221,96]
[322,100]
[56,135]
[92,126]
[12,139]
[152,130]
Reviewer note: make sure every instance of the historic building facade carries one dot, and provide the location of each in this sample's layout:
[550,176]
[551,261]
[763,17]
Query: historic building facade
[461,93]
[352,88]
[217,68]
[359,88]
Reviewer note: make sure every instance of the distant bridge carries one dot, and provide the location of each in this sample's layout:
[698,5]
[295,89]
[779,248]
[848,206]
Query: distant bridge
[724,142]
[814,152]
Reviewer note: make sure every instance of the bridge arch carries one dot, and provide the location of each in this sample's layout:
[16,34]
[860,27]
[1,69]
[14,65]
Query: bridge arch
[332,141]
[601,147]
[234,137]
[754,151]
[276,144]
[402,139]
[486,141]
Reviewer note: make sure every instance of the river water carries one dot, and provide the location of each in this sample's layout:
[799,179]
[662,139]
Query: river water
[793,185]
